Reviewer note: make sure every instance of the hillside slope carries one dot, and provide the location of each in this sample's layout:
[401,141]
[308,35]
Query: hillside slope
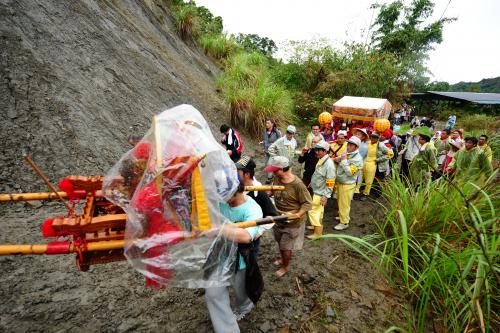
[78,77]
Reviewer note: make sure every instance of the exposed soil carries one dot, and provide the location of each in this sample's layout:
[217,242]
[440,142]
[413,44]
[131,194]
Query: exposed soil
[342,292]
[76,79]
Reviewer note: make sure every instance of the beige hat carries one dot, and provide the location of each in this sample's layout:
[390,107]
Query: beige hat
[362,130]
[354,140]
[322,145]
[291,129]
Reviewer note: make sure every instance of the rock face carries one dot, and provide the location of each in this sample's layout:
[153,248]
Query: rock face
[78,77]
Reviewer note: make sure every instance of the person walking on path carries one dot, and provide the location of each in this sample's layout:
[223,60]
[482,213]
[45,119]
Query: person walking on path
[322,182]
[482,144]
[309,158]
[349,165]
[362,135]
[450,124]
[408,153]
[239,208]
[246,172]
[376,163]
[442,147]
[232,141]
[271,134]
[295,199]
[285,146]
[315,132]
[425,163]
[340,145]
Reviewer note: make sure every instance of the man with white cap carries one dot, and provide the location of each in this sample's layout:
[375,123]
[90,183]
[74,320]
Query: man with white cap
[295,199]
[285,146]
[349,164]
[322,182]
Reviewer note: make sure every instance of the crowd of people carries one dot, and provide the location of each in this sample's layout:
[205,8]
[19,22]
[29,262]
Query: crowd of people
[338,161]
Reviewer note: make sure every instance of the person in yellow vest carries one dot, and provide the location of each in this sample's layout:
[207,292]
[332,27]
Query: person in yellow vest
[340,145]
[350,162]
[322,182]
[482,144]
[377,162]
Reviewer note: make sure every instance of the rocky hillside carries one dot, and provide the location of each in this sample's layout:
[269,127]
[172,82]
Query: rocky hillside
[78,77]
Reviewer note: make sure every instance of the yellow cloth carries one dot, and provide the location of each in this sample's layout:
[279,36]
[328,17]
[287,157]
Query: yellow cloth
[372,152]
[369,170]
[344,198]
[317,211]
[335,146]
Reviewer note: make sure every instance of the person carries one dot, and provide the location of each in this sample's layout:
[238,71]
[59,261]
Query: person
[246,173]
[340,145]
[442,145]
[471,162]
[350,163]
[482,144]
[295,199]
[450,155]
[314,133]
[285,146]
[309,158]
[376,163]
[238,208]
[425,163]
[450,124]
[362,134]
[408,153]
[271,134]
[232,141]
[455,135]
[322,182]
[327,133]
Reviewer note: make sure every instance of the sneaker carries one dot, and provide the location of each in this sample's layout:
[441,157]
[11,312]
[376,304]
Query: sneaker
[337,218]
[341,226]
[240,315]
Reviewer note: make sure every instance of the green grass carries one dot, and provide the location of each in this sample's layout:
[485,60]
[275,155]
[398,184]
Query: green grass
[218,46]
[253,97]
[440,243]
[479,122]
[187,21]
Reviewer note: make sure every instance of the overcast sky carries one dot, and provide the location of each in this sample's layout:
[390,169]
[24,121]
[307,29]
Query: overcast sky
[470,50]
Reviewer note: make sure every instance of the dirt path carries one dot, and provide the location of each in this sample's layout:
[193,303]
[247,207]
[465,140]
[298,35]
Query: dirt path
[342,292]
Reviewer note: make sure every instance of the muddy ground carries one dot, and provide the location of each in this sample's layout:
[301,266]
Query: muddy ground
[342,292]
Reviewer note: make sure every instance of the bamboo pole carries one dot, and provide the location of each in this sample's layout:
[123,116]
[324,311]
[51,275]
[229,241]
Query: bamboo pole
[16,249]
[6,197]
[46,180]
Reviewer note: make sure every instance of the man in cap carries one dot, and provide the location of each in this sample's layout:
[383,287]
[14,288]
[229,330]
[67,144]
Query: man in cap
[349,164]
[425,163]
[295,199]
[340,145]
[322,182]
[376,163]
[285,146]
[408,153]
[363,136]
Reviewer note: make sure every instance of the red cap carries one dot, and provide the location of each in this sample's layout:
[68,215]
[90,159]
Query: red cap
[388,133]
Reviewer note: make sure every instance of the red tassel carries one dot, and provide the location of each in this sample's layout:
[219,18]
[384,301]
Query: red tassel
[47,230]
[141,151]
[66,186]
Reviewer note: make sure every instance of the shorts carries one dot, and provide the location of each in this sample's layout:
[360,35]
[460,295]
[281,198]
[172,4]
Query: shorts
[289,238]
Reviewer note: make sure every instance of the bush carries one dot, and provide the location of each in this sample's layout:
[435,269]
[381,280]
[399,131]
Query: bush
[186,21]
[218,46]
[478,122]
[440,243]
[253,97]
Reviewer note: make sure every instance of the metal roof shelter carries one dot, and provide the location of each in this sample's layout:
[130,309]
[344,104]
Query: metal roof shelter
[476,98]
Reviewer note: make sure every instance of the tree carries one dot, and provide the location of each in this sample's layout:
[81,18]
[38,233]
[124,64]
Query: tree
[255,43]
[400,30]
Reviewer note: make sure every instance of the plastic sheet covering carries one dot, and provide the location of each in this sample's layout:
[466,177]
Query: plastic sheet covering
[171,185]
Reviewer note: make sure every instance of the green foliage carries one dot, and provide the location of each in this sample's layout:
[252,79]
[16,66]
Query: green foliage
[256,43]
[187,22]
[485,85]
[403,31]
[218,46]
[441,242]
[252,95]
[482,122]
[210,24]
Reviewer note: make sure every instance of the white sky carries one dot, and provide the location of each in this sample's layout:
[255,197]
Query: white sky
[470,50]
